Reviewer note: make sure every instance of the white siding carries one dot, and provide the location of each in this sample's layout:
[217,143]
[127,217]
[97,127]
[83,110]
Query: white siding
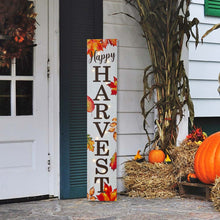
[133,58]
[204,65]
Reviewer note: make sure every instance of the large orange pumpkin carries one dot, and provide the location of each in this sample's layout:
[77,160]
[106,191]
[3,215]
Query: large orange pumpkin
[156,156]
[207,159]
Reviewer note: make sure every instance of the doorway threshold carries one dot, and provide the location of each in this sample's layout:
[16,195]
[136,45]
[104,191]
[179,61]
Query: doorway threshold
[26,199]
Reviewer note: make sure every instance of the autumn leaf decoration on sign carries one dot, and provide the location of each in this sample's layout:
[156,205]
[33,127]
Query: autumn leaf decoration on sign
[113,163]
[90,143]
[113,86]
[90,195]
[108,194]
[113,128]
[98,45]
[90,104]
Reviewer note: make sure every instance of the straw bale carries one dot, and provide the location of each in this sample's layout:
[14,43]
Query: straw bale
[183,159]
[215,194]
[149,180]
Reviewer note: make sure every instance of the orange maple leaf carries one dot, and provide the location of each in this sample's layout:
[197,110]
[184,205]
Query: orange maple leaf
[113,86]
[94,45]
[112,42]
[113,163]
[108,194]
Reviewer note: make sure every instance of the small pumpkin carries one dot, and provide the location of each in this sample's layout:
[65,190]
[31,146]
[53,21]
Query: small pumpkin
[156,155]
[167,159]
[138,156]
[207,159]
[192,178]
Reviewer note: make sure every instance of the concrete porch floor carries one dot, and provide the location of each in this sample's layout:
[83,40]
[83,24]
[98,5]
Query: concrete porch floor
[125,208]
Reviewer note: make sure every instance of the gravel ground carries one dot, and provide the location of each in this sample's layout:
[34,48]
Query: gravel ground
[125,208]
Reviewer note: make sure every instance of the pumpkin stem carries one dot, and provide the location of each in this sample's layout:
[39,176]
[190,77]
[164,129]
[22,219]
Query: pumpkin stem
[157,147]
[155,144]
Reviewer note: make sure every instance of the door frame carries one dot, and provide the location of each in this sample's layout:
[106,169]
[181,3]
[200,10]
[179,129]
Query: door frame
[54,97]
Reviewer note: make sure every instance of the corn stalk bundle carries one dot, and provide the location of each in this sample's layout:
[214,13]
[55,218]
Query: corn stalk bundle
[164,24]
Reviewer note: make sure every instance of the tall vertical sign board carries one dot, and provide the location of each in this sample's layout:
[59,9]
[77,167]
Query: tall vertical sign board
[102,119]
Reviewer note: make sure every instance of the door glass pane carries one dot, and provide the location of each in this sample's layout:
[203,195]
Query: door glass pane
[5,99]
[24,97]
[24,66]
[4,70]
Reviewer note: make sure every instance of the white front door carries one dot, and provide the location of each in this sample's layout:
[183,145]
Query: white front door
[24,119]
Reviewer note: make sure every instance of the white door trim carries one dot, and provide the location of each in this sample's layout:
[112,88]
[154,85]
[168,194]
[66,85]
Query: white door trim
[54,102]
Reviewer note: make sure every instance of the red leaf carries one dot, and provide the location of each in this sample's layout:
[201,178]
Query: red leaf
[112,42]
[108,194]
[90,104]
[113,86]
[113,163]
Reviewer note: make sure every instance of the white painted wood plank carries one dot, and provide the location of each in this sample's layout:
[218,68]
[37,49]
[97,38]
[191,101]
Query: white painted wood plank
[128,36]
[204,89]
[205,64]
[204,70]
[213,37]
[109,8]
[130,144]
[132,123]
[197,11]
[205,52]
[120,185]
[129,101]
[198,2]
[130,79]
[207,108]
[120,165]
[133,58]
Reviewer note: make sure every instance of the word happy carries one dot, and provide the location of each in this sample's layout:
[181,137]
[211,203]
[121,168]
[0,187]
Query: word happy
[102,58]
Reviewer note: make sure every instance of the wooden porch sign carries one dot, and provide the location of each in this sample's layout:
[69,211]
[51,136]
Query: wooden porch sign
[101,119]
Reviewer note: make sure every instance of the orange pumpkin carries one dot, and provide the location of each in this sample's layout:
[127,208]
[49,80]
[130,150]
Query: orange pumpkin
[192,178]
[207,159]
[156,156]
